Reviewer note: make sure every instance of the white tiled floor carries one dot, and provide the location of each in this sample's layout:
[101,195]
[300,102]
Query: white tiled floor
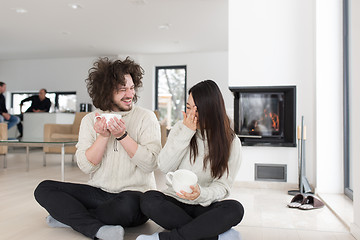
[266,215]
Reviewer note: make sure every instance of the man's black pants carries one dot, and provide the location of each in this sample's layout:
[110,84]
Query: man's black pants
[86,208]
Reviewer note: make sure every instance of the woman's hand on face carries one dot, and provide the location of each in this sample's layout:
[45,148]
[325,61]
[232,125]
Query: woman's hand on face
[190,119]
[116,127]
[100,126]
[190,196]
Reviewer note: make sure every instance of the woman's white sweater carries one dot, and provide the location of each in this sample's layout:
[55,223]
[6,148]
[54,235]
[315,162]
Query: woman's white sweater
[117,171]
[176,155]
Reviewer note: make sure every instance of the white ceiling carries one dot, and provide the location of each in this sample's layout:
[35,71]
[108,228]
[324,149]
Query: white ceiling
[52,29]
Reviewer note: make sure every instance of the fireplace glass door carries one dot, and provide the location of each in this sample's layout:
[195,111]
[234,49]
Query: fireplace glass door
[265,115]
[262,114]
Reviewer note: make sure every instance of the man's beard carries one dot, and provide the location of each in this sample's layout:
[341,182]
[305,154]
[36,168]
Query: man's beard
[120,108]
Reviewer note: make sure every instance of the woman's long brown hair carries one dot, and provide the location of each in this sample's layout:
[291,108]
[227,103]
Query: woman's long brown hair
[214,124]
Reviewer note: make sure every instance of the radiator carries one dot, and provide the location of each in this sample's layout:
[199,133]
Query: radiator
[270,172]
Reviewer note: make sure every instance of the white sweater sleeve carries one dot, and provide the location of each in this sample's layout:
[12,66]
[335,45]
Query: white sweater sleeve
[176,147]
[149,144]
[87,137]
[220,188]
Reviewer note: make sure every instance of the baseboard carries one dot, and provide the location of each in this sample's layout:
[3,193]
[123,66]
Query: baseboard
[266,185]
[355,231]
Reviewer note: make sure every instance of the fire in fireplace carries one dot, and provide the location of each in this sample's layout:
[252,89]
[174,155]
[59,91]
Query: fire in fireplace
[265,115]
[261,114]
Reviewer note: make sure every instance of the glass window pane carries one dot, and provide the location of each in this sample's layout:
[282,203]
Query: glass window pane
[51,96]
[67,102]
[17,98]
[348,161]
[171,94]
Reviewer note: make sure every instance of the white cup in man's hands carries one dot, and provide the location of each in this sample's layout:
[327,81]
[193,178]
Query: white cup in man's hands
[181,180]
[107,116]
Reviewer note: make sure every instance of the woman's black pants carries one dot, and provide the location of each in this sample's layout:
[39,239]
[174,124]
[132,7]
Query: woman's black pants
[190,222]
[86,208]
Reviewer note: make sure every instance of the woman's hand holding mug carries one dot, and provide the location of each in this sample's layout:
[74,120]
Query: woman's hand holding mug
[184,183]
[190,196]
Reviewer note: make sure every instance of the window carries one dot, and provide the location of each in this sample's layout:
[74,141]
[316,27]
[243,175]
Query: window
[170,95]
[65,102]
[60,101]
[348,164]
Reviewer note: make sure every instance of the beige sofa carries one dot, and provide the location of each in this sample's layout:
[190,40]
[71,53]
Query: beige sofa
[3,136]
[59,132]
[163,129]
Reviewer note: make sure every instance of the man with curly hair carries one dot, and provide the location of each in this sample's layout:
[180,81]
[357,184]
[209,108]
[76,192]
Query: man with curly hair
[119,155]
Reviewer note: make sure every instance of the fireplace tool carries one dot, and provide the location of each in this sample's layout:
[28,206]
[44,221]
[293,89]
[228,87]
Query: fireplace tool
[304,186]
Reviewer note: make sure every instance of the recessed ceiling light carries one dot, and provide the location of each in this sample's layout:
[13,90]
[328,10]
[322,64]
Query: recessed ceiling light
[66,33]
[20,10]
[164,26]
[139,2]
[75,6]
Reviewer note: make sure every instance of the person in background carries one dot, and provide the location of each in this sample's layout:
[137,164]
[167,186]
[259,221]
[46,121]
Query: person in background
[4,115]
[205,144]
[39,103]
[119,155]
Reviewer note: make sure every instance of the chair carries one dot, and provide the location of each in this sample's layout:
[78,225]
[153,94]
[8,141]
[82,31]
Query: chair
[56,132]
[3,136]
[163,129]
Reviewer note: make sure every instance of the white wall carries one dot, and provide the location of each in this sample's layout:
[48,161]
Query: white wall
[355,110]
[200,66]
[273,43]
[329,100]
[63,74]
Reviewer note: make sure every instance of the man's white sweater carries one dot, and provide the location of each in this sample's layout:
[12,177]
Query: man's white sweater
[117,171]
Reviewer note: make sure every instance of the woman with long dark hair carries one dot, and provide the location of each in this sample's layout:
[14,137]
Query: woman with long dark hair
[205,144]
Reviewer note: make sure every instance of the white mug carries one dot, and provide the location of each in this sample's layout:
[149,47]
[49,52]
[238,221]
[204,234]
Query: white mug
[108,116]
[181,180]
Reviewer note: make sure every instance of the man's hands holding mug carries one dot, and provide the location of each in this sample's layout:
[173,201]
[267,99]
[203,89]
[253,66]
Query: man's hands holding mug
[107,124]
[116,127]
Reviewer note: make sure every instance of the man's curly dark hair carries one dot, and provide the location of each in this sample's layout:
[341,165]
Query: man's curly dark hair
[106,76]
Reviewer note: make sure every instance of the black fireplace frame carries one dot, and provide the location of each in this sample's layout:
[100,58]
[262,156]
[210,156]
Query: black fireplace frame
[289,137]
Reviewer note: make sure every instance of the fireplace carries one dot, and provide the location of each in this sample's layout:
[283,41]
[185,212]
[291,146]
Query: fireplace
[265,115]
